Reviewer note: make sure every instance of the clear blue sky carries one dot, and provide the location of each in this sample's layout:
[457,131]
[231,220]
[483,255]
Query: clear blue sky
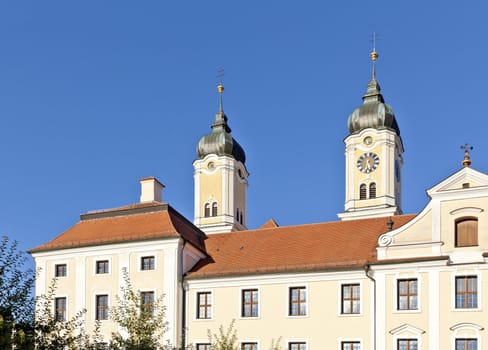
[95,95]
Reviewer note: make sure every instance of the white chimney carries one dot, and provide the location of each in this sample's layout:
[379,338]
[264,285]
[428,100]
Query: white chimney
[151,190]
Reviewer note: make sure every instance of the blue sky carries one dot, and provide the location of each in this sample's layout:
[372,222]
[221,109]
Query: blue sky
[95,95]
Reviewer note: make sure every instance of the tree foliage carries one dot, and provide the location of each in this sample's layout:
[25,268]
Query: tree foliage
[224,339]
[143,325]
[16,301]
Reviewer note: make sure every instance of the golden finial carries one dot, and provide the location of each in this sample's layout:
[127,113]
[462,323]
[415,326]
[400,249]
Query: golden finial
[220,87]
[467,160]
[374,55]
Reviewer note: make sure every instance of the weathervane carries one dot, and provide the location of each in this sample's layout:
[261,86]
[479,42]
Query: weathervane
[220,87]
[467,160]
[374,55]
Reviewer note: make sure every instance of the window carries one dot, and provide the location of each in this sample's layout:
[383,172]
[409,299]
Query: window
[204,305]
[147,263]
[214,209]
[466,292]
[207,210]
[407,291]
[147,302]
[407,344]
[351,299]
[297,346]
[60,270]
[250,300]
[466,232]
[350,345]
[362,191]
[372,190]
[101,307]
[203,346]
[60,309]
[102,266]
[466,344]
[297,301]
[249,346]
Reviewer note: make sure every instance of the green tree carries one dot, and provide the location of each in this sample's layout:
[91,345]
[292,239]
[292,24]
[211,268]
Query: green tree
[225,339]
[143,323]
[16,301]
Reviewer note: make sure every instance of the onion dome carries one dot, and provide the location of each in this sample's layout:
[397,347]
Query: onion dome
[374,113]
[220,141]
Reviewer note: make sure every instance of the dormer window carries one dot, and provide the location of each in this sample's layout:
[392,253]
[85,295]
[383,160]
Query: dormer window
[466,232]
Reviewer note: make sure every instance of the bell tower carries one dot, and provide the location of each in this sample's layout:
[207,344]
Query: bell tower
[374,157]
[220,178]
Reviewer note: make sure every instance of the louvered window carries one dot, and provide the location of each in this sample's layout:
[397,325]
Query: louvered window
[372,190]
[362,191]
[466,232]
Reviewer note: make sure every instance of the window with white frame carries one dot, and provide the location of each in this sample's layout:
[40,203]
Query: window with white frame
[101,306]
[351,298]
[204,305]
[297,301]
[297,346]
[407,294]
[407,344]
[147,263]
[101,266]
[250,303]
[350,345]
[249,346]
[466,292]
[60,270]
[147,302]
[60,309]
[466,344]
[202,346]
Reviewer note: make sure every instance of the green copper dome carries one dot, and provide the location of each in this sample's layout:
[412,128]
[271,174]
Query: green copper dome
[374,113]
[220,141]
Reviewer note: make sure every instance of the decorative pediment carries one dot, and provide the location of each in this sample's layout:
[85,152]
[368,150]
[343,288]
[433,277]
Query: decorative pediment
[406,328]
[472,326]
[463,179]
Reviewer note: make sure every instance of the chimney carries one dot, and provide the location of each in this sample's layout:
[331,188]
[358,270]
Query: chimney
[151,190]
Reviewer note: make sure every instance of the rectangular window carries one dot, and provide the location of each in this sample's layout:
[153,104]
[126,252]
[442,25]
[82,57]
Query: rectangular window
[102,266]
[203,346]
[407,344]
[204,305]
[466,292]
[60,270]
[60,309]
[466,344]
[466,232]
[101,307]
[147,263]
[297,302]
[249,346]
[350,345]
[250,300]
[147,301]
[407,298]
[351,299]
[297,346]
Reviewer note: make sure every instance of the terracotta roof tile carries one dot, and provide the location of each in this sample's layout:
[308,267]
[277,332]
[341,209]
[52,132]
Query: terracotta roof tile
[329,245]
[146,221]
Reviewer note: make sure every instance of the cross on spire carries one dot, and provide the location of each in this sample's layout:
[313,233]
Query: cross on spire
[467,160]
[374,55]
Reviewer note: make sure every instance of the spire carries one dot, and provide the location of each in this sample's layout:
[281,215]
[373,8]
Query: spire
[373,92]
[467,160]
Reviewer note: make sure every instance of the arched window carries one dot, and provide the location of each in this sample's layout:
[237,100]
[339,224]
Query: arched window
[241,218]
[362,191]
[237,216]
[466,232]
[372,190]
[214,209]
[207,210]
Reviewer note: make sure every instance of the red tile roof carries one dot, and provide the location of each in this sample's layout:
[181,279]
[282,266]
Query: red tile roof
[137,222]
[329,245]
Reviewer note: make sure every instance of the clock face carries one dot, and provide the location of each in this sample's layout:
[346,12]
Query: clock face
[368,162]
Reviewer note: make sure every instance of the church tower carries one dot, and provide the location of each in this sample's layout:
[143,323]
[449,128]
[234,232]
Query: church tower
[220,177]
[374,157]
